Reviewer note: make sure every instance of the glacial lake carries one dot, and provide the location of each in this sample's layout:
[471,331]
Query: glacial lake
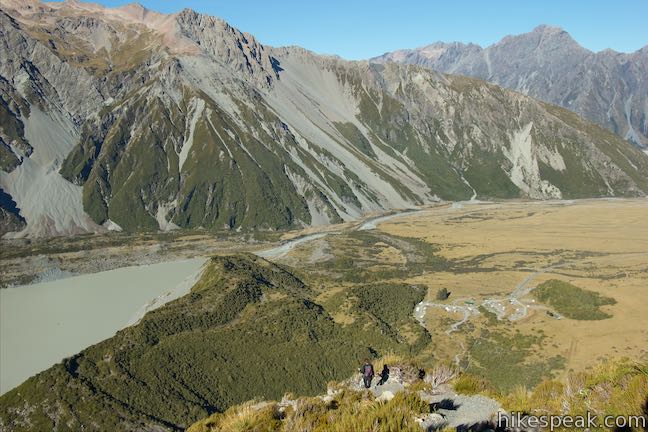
[44,323]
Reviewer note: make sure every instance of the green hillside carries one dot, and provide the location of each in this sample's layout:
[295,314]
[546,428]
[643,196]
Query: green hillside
[247,329]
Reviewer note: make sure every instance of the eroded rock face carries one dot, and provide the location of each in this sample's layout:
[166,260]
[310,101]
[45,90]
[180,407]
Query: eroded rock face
[130,119]
[10,218]
[241,51]
[608,87]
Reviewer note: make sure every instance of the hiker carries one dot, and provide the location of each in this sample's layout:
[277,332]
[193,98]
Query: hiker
[384,375]
[367,372]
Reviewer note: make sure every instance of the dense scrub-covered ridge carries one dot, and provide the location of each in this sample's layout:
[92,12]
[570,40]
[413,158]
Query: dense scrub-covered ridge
[248,329]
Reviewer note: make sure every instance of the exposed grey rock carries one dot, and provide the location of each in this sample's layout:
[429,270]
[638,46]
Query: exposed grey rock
[129,119]
[432,422]
[607,87]
[463,411]
[10,217]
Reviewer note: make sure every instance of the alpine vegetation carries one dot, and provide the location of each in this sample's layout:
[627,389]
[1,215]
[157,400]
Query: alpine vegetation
[127,119]
[202,232]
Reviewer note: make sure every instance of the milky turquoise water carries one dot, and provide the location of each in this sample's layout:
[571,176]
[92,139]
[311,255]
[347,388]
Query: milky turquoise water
[41,324]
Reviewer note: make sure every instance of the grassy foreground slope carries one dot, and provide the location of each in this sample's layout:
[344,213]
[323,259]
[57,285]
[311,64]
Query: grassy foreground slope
[248,329]
[615,388]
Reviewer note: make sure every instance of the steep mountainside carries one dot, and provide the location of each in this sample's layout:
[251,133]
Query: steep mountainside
[248,329]
[128,119]
[608,88]
[10,218]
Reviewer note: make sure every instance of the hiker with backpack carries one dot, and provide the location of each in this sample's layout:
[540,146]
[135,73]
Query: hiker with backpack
[384,375]
[367,372]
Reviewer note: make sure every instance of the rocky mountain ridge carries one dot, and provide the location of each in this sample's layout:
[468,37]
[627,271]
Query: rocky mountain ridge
[129,119]
[607,87]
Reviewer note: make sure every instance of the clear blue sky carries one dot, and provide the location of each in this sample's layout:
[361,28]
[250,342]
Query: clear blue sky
[365,28]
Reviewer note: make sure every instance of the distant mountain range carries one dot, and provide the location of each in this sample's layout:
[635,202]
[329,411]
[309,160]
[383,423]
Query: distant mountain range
[607,87]
[129,119]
